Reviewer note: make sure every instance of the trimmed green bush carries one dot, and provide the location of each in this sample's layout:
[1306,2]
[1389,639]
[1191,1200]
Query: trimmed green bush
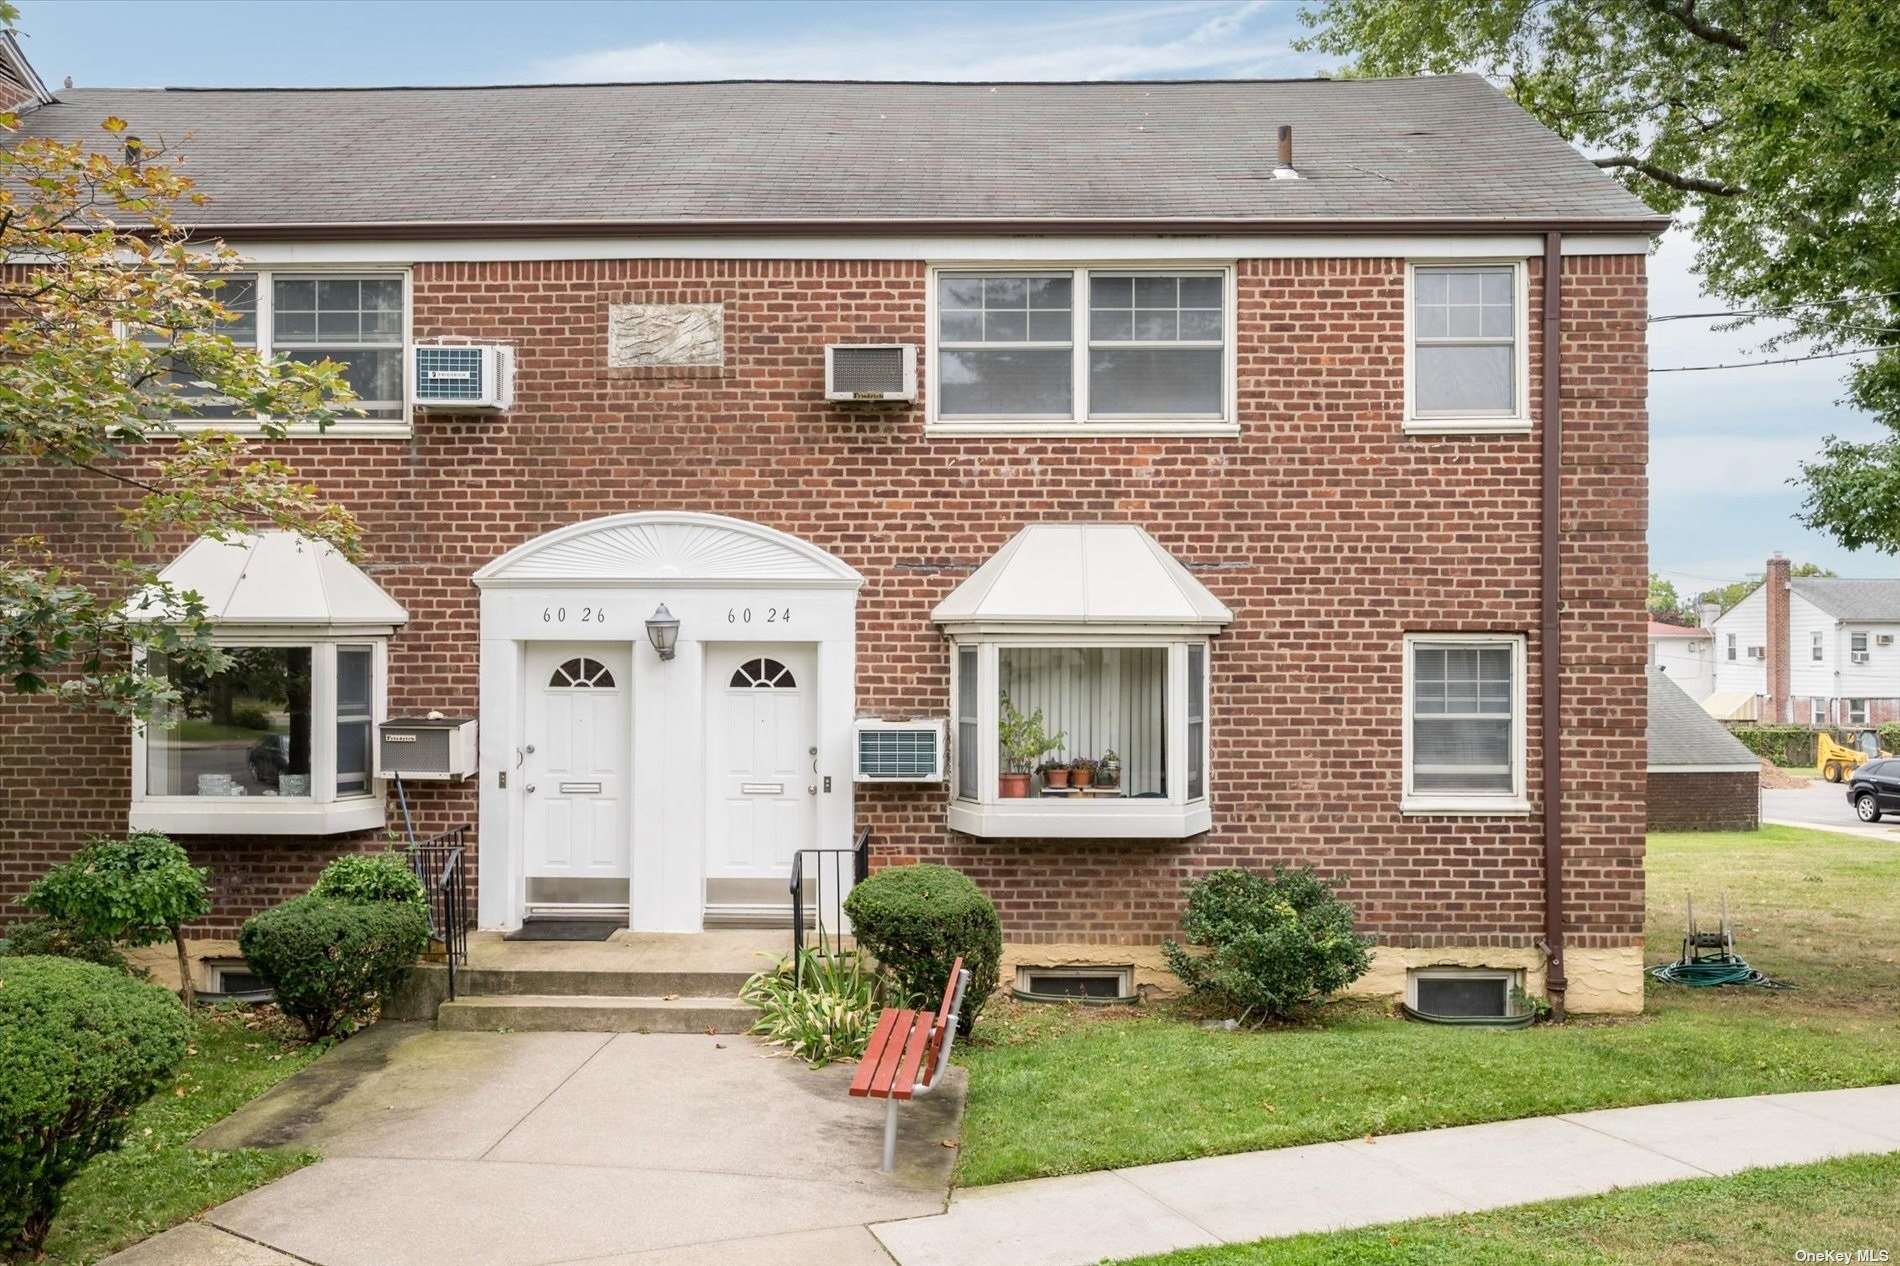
[329,961]
[916,921]
[1790,745]
[1274,943]
[141,890]
[80,1047]
[55,938]
[370,877]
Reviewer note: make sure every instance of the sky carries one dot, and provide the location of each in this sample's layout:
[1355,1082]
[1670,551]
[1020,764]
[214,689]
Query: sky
[1723,444]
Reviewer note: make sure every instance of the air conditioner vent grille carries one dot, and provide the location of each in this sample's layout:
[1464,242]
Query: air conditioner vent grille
[449,373]
[901,754]
[879,369]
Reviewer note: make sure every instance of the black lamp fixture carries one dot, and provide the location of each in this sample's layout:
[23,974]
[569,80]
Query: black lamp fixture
[663,630]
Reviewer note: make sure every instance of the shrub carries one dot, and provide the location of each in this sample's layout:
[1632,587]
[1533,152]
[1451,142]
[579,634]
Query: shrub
[370,877]
[140,890]
[1791,745]
[916,921]
[329,960]
[54,938]
[80,1047]
[1275,943]
[819,1007]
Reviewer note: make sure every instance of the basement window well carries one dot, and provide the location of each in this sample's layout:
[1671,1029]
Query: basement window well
[1100,985]
[1462,993]
[1080,677]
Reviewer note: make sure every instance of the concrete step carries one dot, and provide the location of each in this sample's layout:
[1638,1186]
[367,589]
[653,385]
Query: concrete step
[600,1013]
[548,981]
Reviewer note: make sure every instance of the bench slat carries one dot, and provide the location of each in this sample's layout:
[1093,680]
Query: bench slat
[885,1077]
[944,1017]
[881,1037]
[906,1079]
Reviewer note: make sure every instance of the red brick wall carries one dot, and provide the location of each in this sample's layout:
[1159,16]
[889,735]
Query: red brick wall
[1328,531]
[1705,802]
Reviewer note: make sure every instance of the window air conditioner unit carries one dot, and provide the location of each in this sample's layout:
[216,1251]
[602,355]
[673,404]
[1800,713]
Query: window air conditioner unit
[898,751]
[465,377]
[870,373]
[435,748]
[1859,657]
[1754,652]
[1883,639]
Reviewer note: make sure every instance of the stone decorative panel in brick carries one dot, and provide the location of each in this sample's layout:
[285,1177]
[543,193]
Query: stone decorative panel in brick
[660,335]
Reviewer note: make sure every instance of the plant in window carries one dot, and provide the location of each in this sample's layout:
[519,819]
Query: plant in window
[1109,774]
[1023,740]
[1054,773]
[1273,944]
[1082,770]
[139,890]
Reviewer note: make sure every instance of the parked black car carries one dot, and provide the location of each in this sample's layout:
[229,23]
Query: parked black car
[1875,789]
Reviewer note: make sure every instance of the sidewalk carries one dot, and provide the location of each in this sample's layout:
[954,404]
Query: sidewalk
[1123,1213]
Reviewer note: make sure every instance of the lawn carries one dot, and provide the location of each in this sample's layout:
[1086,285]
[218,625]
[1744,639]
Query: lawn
[1764,1215]
[155,1181]
[1057,1090]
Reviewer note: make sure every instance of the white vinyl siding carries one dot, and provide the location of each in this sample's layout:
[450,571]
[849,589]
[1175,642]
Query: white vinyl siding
[1742,626]
[1464,719]
[1467,347]
[1809,626]
[1116,350]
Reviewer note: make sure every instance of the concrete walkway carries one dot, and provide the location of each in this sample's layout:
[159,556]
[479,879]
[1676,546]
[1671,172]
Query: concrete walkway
[1333,1186]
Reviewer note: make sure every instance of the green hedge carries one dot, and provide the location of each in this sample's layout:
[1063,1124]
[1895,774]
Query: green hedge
[56,938]
[80,1047]
[328,960]
[370,877]
[917,921]
[1792,745]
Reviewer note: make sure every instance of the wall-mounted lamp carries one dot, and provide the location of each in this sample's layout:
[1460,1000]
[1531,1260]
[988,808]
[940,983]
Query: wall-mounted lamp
[663,631]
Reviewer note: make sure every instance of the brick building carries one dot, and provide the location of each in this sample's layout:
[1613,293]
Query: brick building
[1232,459]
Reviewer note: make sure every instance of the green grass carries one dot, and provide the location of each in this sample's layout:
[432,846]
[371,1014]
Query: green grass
[1057,1090]
[1764,1215]
[194,730]
[155,1181]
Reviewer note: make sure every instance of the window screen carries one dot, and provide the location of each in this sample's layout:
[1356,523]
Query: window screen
[966,723]
[1464,332]
[356,321]
[1072,985]
[1462,699]
[1463,995]
[1155,345]
[354,692]
[1006,345]
[1197,722]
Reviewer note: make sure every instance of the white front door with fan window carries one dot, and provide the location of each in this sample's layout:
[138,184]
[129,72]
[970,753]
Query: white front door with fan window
[761,734]
[574,772]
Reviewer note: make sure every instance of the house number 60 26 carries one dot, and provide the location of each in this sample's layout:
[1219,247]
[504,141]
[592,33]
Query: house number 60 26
[579,615]
[761,615]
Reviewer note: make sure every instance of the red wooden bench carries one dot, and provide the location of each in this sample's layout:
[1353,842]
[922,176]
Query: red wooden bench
[907,1055]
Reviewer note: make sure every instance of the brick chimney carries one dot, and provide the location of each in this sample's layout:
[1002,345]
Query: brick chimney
[1776,648]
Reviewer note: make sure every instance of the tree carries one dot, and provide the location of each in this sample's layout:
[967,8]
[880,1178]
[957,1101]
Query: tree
[1770,126]
[1664,605]
[1728,595]
[139,891]
[107,256]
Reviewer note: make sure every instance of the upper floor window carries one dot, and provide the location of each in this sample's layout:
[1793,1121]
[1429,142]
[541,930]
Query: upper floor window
[1117,349]
[356,319]
[1731,646]
[1467,363]
[1857,647]
[1814,646]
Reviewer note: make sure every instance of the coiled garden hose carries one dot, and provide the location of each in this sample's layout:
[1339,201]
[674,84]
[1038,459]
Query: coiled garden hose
[1718,969]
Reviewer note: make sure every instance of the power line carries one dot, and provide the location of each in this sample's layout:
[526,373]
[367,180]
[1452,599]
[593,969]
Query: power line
[1792,307]
[1751,364]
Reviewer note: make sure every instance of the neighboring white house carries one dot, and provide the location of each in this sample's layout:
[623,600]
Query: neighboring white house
[1686,655]
[1833,648]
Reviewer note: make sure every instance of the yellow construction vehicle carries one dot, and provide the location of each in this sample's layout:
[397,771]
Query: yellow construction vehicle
[1835,761]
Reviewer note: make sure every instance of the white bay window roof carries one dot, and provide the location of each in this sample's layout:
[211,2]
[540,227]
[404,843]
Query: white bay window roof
[279,578]
[1085,576]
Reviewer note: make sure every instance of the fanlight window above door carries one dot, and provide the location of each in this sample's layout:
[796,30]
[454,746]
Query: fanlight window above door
[581,673]
[762,674]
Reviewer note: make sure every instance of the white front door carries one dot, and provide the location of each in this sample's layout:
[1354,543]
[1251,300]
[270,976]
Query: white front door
[574,775]
[761,735]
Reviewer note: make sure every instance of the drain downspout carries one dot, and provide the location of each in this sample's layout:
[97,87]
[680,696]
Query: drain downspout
[1551,599]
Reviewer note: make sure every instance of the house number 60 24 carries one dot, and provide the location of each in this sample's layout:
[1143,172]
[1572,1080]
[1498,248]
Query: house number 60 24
[578,615]
[758,615]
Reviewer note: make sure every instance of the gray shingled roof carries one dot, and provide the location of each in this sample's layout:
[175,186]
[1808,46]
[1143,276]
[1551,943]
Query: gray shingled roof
[1435,149]
[1852,599]
[1681,733]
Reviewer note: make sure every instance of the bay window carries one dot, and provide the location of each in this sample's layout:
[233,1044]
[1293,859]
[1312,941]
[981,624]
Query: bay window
[1467,353]
[1114,349]
[1464,717]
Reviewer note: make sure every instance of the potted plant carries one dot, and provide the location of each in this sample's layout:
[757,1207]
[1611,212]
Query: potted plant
[1110,772]
[1082,770]
[1023,741]
[1054,773]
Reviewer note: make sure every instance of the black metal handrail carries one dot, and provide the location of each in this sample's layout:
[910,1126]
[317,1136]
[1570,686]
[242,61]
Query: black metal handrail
[823,859]
[440,863]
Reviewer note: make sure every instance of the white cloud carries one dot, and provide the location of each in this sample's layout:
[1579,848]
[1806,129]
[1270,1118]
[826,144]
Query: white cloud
[1221,40]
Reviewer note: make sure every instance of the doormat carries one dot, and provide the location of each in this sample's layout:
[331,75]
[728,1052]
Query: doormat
[564,930]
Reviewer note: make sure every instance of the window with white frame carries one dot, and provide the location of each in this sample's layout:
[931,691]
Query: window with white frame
[358,320]
[1126,730]
[1467,359]
[1814,646]
[1731,647]
[1112,346]
[1857,647]
[1857,712]
[1817,711]
[1464,723]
